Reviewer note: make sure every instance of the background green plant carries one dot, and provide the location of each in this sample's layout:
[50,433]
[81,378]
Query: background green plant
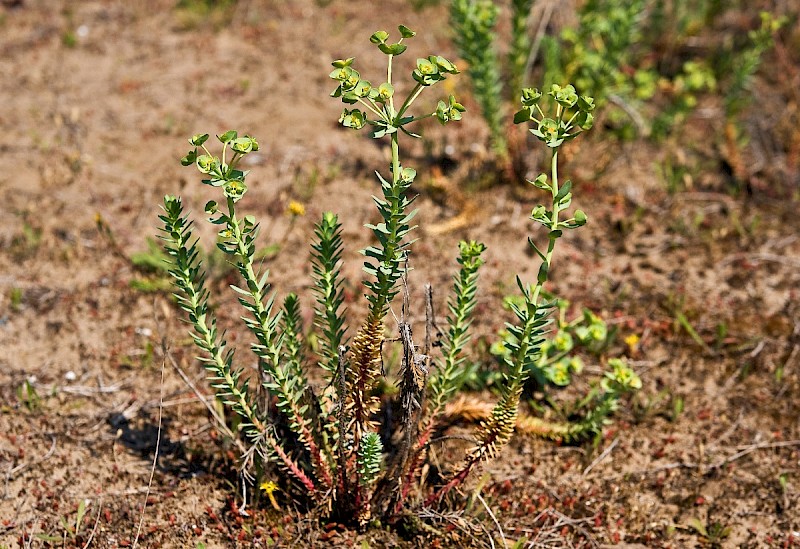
[636,56]
[473,25]
[640,60]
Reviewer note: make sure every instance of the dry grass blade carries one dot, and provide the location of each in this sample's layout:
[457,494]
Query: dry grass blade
[494,519]
[155,454]
[96,523]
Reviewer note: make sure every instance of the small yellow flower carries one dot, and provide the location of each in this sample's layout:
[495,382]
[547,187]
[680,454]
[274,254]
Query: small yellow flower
[269,487]
[632,341]
[296,209]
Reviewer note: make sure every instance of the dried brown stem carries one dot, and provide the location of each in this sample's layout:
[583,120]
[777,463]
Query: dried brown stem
[342,418]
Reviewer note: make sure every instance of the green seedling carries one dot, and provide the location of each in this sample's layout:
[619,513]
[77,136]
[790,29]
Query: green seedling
[521,543]
[783,481]
[69,39]
[687,326]
[713,534]
[216,14]
[26,242]
[15,296]
[28,397]
[677,408]
[720,335]
[72,529]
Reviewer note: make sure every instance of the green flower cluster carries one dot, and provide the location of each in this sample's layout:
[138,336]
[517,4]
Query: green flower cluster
[376,104]
[553,132]
[621,378]
[432,70]
[221,173]
[560,373]
[594,329]
[445,112]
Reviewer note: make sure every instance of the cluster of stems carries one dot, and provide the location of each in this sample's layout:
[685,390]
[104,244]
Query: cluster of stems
[328,438]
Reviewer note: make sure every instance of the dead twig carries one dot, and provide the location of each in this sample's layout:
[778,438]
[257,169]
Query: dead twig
[761,257]
[750,448]
[550,534]
[653,470]
[537,40]
[601,457]
[728,432]
[86,391]
[742,452]
[413,376]
[22,466]
[635,116]
[456,519]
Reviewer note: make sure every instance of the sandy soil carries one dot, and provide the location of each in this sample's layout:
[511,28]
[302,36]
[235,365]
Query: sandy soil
[97,100]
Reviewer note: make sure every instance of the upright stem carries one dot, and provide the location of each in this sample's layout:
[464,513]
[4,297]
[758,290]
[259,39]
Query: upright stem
[378,306]
[395,159]
[389,81]
[554,223]
[263,328]
[241,249]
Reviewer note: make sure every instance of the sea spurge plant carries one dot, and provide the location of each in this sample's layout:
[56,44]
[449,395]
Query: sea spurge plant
[550,361]
[443,382]
[326,256]
[327,437]
[225,377]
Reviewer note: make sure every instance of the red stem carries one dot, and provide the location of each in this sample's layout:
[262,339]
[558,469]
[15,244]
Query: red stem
[294,469]
[414,467]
